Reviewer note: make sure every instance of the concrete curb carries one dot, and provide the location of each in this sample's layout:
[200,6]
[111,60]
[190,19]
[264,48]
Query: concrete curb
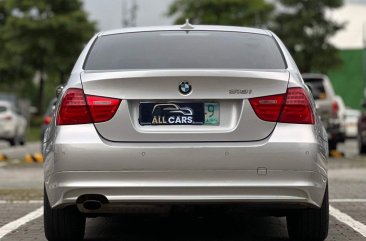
[336,154]
[3,157]
[33,158]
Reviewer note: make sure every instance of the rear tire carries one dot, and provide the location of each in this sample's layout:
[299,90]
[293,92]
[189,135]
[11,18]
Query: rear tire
[13,141]
[63,224]
[22,141]
[310,224]
[361,146]
[332,145]
[362,149]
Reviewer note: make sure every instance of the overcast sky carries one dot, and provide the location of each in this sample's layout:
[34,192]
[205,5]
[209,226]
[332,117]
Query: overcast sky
[108,15]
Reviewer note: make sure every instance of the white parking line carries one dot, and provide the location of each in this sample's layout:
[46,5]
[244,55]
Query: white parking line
[21,202]
[8,228]
[337,214]
[348,200]
[346,219]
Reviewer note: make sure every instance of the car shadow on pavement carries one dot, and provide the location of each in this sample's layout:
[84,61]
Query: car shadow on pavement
[187,228]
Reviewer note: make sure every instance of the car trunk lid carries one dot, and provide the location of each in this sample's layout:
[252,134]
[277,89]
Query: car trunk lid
[229,89]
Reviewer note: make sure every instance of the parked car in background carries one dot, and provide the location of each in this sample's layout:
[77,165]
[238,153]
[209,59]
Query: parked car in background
[166,117]
[341,114]
[22,105]
[47,117]
[10,97]
[12,124]
[361,131]
[352,116]
[327,106]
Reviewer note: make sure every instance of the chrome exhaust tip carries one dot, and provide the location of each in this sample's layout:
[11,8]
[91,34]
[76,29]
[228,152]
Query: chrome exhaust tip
[92,205]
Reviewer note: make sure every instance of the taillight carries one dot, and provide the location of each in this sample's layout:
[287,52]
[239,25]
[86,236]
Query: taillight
[335,107]
[8,118]
[268,108]
[73,108]
[79,109]
[297,108]
[102,108]
[47,120]
[294,104]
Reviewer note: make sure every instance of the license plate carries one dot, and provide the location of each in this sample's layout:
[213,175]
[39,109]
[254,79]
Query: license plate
[193,113]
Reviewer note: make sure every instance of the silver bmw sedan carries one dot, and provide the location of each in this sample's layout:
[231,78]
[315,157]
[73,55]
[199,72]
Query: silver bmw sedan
[184,115]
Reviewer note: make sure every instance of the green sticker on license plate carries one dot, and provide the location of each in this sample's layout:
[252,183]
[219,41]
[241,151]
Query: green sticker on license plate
[212,114]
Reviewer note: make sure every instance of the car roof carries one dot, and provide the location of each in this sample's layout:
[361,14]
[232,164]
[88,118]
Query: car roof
[181,28]
[313,75]
[5,103]
[349,110]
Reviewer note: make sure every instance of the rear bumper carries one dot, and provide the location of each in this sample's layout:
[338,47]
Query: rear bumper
[292,187]
[287,167]
[7,132]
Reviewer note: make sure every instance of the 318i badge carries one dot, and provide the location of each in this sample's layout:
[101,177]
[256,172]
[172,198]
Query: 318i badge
[195,113]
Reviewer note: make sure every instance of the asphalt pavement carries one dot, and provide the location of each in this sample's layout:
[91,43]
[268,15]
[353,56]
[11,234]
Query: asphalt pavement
[21,213]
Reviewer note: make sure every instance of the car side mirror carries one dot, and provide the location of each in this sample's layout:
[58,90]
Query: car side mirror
[59,90]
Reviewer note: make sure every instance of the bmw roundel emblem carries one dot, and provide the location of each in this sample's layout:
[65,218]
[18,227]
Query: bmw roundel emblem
[185,88]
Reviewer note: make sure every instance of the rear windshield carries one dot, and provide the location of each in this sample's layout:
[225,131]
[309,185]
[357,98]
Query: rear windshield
[185,49]
[317,87]
[2,109]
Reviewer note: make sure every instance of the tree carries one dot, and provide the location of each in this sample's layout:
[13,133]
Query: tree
[224,12]
[129,15]
[9,63]
[305,30]
[41,38]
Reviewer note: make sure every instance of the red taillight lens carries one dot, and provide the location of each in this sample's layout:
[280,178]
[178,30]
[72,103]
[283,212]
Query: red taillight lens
[335,107]
[297,108]
[79,109]
[268,108]
[47,120]
[8,118]
[73,108]
[102,108]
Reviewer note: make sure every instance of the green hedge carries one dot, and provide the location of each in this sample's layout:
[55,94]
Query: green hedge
[348,80]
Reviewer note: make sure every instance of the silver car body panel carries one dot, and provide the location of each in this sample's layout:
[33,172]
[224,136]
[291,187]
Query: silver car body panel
[237,115]
[244,159]
[83,163]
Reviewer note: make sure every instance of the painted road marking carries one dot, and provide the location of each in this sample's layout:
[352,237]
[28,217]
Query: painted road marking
[348,220]
[21,201]
[337,214]
[8,228]
[348,200]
